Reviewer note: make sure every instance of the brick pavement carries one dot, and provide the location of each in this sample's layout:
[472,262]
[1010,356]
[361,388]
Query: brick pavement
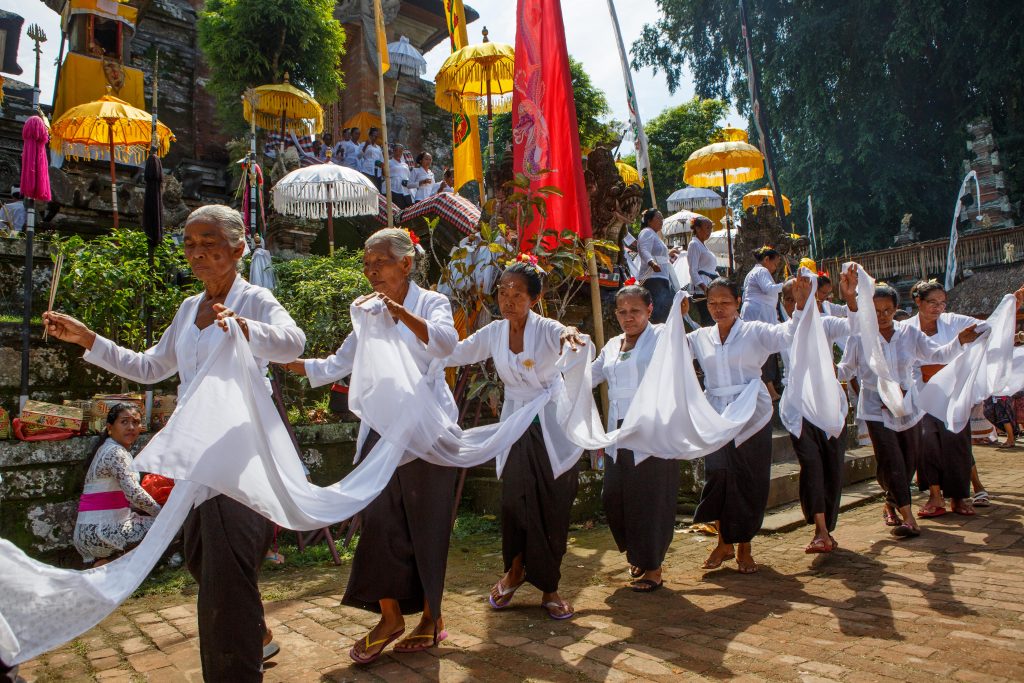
[949,605]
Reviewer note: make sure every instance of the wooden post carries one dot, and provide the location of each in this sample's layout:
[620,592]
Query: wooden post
[383,121]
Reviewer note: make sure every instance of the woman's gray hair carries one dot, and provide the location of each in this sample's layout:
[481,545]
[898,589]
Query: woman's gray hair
[224,217]
[398,242]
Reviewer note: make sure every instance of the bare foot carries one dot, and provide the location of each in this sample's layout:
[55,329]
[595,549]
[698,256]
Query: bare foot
[721,553]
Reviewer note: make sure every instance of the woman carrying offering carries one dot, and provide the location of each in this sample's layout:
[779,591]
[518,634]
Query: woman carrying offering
[894,423]
[737,476]
[225,541]
[106,523]
[539,479]
[400,562]
[639,498]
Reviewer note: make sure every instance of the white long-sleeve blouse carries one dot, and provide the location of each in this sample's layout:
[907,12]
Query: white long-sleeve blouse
[183,347]
[730,366]
[760,296]
[623,372]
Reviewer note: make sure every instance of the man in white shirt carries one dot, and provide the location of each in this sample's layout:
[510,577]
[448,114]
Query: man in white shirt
[349,149]
[399,171]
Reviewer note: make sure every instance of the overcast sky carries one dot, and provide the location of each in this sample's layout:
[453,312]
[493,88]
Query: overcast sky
[588,28]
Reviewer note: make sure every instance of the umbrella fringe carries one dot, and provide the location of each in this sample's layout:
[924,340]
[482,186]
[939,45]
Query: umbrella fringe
[308,119]
[477,105]
[702,203]
[309,200]
[134,155]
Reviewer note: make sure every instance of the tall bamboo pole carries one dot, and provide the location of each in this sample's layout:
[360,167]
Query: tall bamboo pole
[383,119]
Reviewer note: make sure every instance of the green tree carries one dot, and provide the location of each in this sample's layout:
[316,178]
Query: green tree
[253,42]
[676,133]
[866,101]
[591,110]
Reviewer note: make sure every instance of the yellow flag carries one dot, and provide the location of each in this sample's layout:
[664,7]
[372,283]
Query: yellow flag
[465,133]
[382,39]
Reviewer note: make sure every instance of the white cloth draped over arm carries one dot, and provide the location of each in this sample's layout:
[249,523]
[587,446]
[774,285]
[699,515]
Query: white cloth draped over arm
[813,392]
[865,325]
[982,370]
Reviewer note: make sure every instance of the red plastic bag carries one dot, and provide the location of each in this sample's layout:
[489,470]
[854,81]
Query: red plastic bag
[158,486]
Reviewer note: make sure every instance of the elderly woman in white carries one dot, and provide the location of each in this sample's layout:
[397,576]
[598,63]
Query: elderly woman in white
[225,541]
[400,562]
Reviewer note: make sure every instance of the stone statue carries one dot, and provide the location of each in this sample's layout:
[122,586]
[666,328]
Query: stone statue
[761,226]
[906,235]
[613,203]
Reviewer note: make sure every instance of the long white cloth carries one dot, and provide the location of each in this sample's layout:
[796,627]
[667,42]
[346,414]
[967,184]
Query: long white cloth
[812,390]
[865,324]
[984,369]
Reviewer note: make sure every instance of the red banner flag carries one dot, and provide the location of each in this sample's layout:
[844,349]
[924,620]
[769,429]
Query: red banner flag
[545,133]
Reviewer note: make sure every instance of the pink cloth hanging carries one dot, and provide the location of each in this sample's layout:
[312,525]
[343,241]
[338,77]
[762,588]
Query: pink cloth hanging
[35,173]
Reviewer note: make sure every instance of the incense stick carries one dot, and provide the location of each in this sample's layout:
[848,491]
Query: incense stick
[54,281]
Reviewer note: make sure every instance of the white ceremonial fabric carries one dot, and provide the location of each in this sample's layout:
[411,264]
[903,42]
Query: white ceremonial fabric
[623,372]
[760,296]
[888,392]
[669,415]
[812,390]
[982,370]
[261,269]
[734,367]
[703,265]
[948,326]
[680,275]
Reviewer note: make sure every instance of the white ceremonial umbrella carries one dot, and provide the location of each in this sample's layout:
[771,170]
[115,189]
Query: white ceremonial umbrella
[694,198]
[403,55]
[679,223]
[325,191]
[718,244]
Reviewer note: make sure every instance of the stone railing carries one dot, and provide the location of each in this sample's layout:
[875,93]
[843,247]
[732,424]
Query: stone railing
[925,260]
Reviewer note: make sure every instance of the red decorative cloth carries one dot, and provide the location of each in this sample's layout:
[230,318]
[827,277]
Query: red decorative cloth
[545,133]
[158,487]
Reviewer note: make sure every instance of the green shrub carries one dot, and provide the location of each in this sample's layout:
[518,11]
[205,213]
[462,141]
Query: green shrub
[106,280]
[317,291]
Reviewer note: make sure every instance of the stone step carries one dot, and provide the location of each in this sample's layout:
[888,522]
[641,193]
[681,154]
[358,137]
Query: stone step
[785,486]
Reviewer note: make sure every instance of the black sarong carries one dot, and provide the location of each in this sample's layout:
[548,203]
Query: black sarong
[945,458]
[535,510]
[640,504]
[896,458]
[821,472]
[225,543]
[736,483]
[403,546]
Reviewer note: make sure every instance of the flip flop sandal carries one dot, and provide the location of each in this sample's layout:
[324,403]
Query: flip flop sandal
[1006,446]
[982,499]
[646,585]
[753,569]
[905,531]
[435,639]
[835,543]
[890,518]
[504,595]
[708,564]
[927,512]
[563,605]
[818,546]
[270,650]
[362,658]
[965,511]
[635,571]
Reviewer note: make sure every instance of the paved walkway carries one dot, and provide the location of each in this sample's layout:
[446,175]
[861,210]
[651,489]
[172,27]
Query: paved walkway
[949,605]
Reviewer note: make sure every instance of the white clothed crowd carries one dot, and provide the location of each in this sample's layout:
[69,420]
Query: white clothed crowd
[398,390]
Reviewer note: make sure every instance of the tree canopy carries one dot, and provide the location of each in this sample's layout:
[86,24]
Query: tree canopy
[676,133]
[866,101]
[247,43]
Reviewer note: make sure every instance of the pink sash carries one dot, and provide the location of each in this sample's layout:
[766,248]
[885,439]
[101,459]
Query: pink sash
[105,500]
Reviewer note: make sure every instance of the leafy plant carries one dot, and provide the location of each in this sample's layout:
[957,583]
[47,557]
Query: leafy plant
[317,291]
[107,281]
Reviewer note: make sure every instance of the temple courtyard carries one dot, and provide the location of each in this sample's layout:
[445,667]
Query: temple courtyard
[948,605]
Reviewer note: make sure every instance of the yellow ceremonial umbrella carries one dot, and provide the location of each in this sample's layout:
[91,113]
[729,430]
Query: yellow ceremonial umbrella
[732,160]
[285,107]
[364,121]
[758,197]
[126,132]
[477,80]
[629,175]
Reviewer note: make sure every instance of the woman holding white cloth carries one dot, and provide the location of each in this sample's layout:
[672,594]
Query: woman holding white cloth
[539,479]
[400,562]
[639,498]
[225,541]
[882,360]
[737,475]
